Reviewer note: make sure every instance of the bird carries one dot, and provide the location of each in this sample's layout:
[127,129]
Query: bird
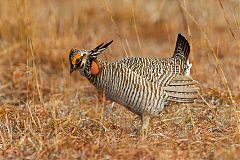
[145,86]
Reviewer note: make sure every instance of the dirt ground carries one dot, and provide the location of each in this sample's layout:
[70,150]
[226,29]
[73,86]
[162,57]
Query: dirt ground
[46,113]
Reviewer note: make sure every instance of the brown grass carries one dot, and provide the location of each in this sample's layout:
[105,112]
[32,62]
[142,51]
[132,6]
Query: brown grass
[47,114]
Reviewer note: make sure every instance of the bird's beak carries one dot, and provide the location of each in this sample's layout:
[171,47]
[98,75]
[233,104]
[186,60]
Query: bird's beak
[72,68]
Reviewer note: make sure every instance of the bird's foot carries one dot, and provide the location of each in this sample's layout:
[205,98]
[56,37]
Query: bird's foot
[143,132]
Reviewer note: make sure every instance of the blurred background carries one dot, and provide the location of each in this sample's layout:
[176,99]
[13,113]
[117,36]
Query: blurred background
[42,105]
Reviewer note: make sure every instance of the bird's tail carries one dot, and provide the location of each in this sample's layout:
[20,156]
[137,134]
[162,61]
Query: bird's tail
[182,89]
[182,48]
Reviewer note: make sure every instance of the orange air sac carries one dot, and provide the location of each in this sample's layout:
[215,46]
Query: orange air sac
[94,68]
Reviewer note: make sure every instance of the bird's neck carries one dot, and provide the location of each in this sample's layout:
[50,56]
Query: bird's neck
[94,71]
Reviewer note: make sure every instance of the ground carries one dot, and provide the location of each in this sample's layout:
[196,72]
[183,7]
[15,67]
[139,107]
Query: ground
[46,113]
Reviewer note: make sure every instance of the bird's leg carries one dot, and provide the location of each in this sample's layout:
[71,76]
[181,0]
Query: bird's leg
[145,122]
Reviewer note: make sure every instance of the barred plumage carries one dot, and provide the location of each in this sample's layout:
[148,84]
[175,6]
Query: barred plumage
[142,85]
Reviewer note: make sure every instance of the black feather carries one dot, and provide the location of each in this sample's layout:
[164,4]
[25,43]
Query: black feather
[99,49]
[182,48]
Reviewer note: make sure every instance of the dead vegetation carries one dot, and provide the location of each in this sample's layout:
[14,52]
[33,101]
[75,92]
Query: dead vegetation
[47,114]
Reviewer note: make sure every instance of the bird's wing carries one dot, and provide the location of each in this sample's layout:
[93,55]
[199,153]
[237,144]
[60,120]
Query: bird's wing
[154,70]
[177,85]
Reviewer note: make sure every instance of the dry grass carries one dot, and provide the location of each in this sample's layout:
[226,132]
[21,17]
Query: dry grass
[47,114]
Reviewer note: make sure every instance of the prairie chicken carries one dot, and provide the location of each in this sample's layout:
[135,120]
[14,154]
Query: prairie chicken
[142,85]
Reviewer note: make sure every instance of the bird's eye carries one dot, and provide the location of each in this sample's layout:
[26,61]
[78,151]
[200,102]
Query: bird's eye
[76,59]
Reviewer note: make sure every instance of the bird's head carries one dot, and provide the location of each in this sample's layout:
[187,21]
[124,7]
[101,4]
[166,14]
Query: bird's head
[85,60]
